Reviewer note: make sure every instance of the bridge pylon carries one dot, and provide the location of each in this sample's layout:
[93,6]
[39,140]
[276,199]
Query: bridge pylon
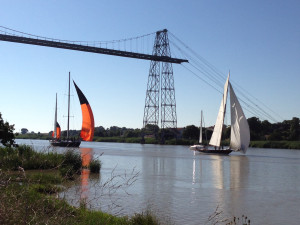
[160,86]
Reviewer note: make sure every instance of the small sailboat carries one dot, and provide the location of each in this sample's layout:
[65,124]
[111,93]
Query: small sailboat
[200,146]
[240,132]
[88,125]
[56,131]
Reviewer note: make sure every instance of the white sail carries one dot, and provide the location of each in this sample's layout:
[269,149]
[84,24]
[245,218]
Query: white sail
[240,132]
[217,134]
[55,118]
[200,135]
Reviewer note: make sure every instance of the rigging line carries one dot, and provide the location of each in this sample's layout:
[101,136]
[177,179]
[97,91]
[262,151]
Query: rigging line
[260,108]
[201,78]
[204,73]
[249,108]
[217,72]
[211,77]
[61,40]
[254,111]
[244,90]
[198,56]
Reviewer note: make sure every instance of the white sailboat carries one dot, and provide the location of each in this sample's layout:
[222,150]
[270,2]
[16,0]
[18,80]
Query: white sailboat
[240,132]
[200,146]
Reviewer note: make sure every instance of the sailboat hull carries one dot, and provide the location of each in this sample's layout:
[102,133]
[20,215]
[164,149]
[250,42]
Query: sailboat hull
[65,143]
[213,151]
[197,147]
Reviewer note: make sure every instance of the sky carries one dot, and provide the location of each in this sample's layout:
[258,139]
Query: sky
[258,41]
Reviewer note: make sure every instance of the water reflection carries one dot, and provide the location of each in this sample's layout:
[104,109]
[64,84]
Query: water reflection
[158,191]
[86,157]
[194,171]
[217,171]
[220,172]
[188,187]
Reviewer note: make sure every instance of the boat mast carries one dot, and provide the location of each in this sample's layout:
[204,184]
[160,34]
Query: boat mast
[200,135]
[68,108]
[55,118]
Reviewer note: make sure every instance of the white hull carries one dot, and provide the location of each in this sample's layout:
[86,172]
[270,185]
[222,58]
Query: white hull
[197,147]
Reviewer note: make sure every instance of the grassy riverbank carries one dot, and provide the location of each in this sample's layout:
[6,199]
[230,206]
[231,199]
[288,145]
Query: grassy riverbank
[30,181]
[276,144]
[254,144]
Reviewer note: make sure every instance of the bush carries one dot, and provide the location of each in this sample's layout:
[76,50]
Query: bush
[95,166]
[71,164]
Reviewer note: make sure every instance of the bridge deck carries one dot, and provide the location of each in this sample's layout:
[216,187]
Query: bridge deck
[85,48]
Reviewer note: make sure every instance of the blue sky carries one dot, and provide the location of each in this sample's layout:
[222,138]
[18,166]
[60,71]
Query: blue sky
[257,40]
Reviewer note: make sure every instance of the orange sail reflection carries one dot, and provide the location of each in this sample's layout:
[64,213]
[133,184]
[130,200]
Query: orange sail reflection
[86,156]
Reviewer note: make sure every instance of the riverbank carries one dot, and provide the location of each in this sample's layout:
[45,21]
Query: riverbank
[276,144]
[29,185]
[253,144]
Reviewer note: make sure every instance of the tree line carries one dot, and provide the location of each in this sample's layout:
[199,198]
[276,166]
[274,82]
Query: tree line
[288,130]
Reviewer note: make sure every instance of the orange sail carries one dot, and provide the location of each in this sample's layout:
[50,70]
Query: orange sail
[88,125]
[58,131]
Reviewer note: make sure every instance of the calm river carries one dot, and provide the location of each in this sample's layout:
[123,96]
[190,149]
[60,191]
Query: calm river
[185,187]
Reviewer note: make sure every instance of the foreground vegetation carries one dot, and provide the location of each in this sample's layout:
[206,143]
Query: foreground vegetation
[30,180]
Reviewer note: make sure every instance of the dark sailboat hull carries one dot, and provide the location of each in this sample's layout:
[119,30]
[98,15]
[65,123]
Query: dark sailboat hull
[65,143]
[217,151]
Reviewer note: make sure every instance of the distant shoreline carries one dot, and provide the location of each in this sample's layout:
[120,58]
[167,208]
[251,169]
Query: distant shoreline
[254,144]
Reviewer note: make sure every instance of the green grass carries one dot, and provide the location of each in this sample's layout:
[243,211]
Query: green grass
[69,164]
[26,199]
[276,144]
[25,157]
[27,196]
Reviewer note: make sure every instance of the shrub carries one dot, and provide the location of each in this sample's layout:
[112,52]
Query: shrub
[95,166]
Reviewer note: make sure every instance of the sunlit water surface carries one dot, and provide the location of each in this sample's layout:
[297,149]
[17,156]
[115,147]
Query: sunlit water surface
[185,187]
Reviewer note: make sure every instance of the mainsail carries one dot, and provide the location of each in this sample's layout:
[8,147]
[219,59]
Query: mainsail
[217,133]
[240,132]
[88,125]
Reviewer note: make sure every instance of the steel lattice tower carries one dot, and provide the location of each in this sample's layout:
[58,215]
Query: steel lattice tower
[163,83]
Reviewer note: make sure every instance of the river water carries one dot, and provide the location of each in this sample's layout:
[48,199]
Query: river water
[185,187]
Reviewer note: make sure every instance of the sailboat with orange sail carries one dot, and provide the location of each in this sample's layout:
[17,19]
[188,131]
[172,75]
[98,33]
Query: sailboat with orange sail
[88,124]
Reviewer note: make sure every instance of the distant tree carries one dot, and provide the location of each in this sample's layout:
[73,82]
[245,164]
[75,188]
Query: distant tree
[275,136]
[255,128]
[152,128]
[266,127]
[129,133]
[227,131]
[24,130]
[168,133]
[6,133]
[114,131]
[294,129]
[100,132]
[191,132]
